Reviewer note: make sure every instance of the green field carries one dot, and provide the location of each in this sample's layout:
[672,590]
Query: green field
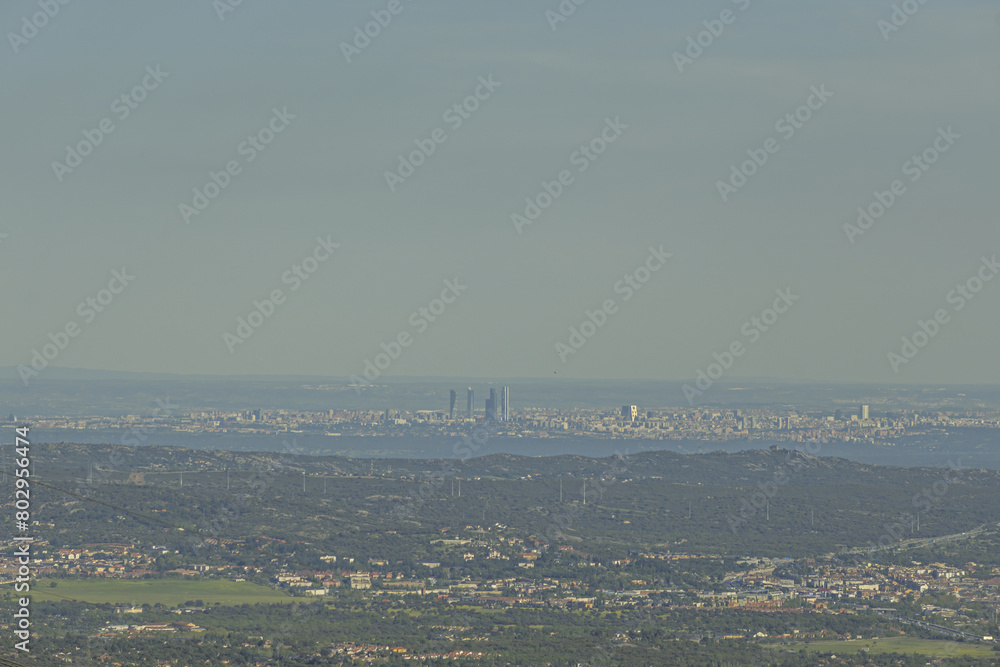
[170,592]
[931,647]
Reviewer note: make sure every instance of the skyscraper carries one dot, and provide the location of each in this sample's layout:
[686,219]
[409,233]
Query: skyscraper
[630,412]
[505,404]
[491,405]
[864,413]
[452,399]
[468,409]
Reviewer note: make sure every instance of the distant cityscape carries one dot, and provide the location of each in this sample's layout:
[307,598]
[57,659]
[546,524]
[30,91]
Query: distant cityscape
[858,425]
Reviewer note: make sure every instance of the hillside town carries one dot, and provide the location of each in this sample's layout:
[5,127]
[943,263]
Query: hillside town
[525,578]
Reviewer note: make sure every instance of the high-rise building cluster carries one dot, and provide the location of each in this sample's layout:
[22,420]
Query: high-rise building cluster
[497,405]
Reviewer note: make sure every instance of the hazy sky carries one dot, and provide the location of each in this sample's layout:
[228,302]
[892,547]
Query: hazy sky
[886,95]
